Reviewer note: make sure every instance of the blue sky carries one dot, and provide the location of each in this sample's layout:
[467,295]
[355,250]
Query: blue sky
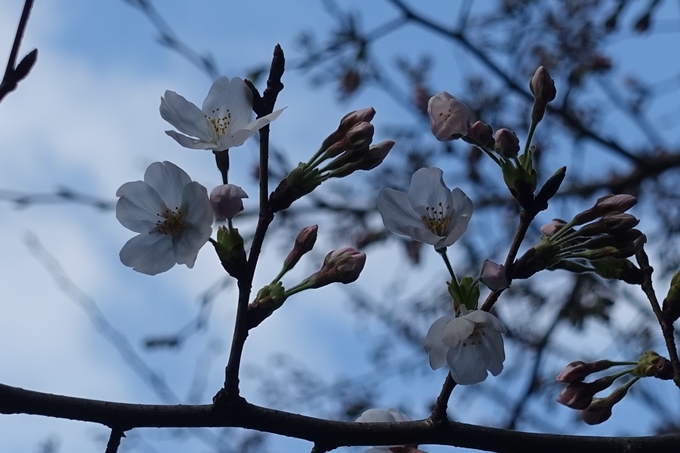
[87,118]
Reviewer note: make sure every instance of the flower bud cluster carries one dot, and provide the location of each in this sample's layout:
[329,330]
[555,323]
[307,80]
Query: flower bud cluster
[580,395]
[601,246]
[348,149]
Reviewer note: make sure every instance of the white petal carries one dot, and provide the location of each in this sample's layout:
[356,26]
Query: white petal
[375,416]
[168,180]
[466,365]
[138,206]
[187,244]
[433,344]
[184,116]
[484,317]
[192,143]
[396,212]
[428,190]
[461,214]
[230,97]
[458,331]
[398,415]
[238,138]
[493,341]
[148,253]
[196,205]
[240,135]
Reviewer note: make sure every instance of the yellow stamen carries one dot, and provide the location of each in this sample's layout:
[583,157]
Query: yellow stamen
[437,219]
[220,123]
[172,222]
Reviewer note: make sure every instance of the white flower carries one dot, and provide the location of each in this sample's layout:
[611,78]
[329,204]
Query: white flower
[449,117]
[222,123]
[470,344]
[226,201]
[391,415]
[172,215]
[429,213]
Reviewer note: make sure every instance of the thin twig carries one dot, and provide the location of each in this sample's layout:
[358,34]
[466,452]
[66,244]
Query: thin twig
[11,77]
[262,106]
[666,327]
[114,440]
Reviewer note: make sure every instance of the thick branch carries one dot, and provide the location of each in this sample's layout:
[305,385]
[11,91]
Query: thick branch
[241,414]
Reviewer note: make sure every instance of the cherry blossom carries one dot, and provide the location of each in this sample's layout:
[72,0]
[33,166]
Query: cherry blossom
[172,215]
[429,212]
[471,344]
[222,123]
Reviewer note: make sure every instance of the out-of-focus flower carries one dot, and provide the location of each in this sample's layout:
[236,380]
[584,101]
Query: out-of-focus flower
[429,212]
[391,415]
[172,215]
[493,276]
[222,123]
[449,117]
[471,344]
[506,143]
[227,200]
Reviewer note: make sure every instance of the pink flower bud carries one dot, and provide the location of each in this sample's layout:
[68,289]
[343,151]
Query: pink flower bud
[356,117]
[449,117]
[493,276]
[482,135]
[375,155]
[578,370]
[619,222]
[226,201]
[304,242]
[615,203]
[542,86]
[343,266]
[579,395]
[360,136]
[600,409]
[553,227]
[507,143]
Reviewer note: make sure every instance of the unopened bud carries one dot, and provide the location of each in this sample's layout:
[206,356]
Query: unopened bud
[230,250]
[671,304]
[346,123]
[550,188]
[600,409]
[227,201]
[542,86]
[579,395]
[618,269]
[507,143]
[615,203]
[553,227]
[356,117]
[493,276]
[449,117]
[360,136]
[343,266]
[577,371]
[482,135]
[375,156]
[304,242]
[619,222]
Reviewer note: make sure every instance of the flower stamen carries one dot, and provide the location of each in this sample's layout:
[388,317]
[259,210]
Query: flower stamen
[172,222]
[437,219]
[220,124]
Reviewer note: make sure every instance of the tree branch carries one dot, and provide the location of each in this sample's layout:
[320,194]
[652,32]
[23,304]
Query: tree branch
[330,434]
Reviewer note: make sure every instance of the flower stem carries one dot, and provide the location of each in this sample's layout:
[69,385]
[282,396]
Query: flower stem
[530,136]
[454,280]
[222,161]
